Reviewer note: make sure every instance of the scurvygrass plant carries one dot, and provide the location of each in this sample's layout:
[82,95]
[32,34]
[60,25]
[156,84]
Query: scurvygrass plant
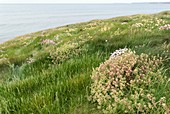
[127,83]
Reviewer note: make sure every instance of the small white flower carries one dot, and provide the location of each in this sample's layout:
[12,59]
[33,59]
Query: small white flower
[57,37]
[118,52]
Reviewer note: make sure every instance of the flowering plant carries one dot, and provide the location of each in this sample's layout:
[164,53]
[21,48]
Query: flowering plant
[138,25]
[126,83]
[47,41]
[165,27]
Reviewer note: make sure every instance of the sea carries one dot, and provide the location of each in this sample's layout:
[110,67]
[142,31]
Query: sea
[20,19]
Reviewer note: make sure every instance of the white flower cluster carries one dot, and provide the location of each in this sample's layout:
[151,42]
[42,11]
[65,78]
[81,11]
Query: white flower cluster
[56,37]
[4,60]
[137,25]
[118,52]
[124,23]
[1,51]
[30,60]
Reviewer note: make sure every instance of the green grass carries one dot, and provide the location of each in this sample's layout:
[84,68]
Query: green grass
[58,79]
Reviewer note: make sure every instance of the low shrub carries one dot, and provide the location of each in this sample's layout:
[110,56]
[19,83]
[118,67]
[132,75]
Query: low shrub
[127,83]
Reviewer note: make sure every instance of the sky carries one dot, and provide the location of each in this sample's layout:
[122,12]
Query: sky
[79,1]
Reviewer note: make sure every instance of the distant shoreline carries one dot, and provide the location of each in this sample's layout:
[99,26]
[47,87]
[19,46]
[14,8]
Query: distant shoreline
[82,3]
[29,18]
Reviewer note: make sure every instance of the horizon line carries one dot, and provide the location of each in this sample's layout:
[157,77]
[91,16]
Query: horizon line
[81,3]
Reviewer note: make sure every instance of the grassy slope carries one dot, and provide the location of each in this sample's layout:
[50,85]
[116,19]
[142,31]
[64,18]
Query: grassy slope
[44,87]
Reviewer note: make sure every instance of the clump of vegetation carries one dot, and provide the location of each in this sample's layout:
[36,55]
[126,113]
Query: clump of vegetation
[128,83]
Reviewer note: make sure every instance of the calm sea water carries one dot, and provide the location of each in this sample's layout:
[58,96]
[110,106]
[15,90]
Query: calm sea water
[16,20]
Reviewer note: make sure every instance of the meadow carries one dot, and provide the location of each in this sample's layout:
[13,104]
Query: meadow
[52,71]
